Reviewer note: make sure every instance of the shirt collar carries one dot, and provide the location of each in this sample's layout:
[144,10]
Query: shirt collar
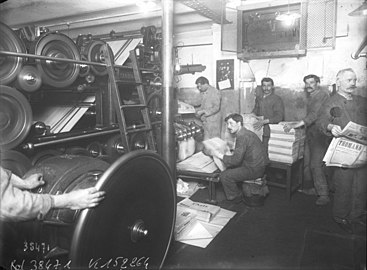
[346,96]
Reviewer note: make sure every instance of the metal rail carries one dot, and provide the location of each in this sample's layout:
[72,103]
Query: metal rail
[67,137]
[67,60]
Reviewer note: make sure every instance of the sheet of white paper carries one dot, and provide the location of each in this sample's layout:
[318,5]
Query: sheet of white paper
[224,84]
[203,233]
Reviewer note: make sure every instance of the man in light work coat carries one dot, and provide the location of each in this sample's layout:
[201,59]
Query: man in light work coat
[271,107]
[349,206]
[209,110]
[316,141]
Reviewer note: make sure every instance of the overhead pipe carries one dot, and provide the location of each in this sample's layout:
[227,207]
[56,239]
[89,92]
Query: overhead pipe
[358,53]
[168,131]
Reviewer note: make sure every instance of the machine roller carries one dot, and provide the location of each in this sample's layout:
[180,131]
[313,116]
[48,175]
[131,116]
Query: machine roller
[134,223]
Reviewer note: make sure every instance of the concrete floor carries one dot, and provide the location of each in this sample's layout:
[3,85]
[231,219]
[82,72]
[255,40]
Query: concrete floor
[282,234]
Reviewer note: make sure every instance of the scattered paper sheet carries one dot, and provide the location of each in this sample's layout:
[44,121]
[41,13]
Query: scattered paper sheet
[187,189]
[203,233]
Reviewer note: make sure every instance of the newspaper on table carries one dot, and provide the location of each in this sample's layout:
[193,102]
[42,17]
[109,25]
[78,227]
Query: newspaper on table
[198,162]
[349,150]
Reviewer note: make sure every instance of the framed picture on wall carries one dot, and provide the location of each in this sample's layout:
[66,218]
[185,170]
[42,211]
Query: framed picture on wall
[225,74]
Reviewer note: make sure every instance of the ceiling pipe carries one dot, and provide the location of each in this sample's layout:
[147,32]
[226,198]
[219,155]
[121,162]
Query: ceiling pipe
[168,140]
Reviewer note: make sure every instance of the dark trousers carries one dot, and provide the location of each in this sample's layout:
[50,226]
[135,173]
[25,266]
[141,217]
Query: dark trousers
[266,147]
[318,146]
[230,177]
[350,193]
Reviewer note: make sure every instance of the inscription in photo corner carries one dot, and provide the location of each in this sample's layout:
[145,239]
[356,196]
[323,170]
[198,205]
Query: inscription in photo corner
[119,262]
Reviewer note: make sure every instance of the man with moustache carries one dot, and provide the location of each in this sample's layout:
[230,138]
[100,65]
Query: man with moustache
[247,162]
[271,107]
[316,142]
[349,208]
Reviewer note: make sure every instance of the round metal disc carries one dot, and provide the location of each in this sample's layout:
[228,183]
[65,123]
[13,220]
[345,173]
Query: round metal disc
[15,117]
[29,79]
[138,141]
[134,224]
[10,65]
[54,73]
[95,54]
[15,161]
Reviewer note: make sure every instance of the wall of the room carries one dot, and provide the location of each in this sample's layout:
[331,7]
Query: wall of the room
[286,72]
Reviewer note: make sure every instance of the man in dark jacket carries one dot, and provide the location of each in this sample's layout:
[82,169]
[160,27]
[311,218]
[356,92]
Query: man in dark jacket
[271,107]
[316,142]
[247,162]
[349,208]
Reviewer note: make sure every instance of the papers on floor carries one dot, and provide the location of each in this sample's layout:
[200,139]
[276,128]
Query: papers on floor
[187,189]
[192,231]
[286,147]
[350,150]
[203,211]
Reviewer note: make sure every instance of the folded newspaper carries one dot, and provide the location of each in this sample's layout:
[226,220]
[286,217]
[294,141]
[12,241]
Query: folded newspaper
[202,211]
[349,150]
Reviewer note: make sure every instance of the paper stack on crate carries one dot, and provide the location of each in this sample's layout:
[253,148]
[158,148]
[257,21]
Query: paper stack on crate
[286,147]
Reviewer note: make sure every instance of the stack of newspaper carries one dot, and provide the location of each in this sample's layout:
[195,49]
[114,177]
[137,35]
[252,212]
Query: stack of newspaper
[286,147]
[350,149]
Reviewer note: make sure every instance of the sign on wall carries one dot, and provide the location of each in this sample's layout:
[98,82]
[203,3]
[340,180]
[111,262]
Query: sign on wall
[225,74]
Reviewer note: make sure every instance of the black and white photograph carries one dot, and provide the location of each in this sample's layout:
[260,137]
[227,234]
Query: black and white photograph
[183,134]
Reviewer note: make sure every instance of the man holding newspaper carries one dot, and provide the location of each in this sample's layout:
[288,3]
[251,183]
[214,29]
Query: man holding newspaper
[344,116]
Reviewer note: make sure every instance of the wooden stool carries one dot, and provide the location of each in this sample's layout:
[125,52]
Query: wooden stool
[289,170]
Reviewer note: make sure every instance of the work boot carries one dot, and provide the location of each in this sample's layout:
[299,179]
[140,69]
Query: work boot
[323,200]
[309,191]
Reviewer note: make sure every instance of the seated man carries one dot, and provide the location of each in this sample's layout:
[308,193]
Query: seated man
[247,162]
